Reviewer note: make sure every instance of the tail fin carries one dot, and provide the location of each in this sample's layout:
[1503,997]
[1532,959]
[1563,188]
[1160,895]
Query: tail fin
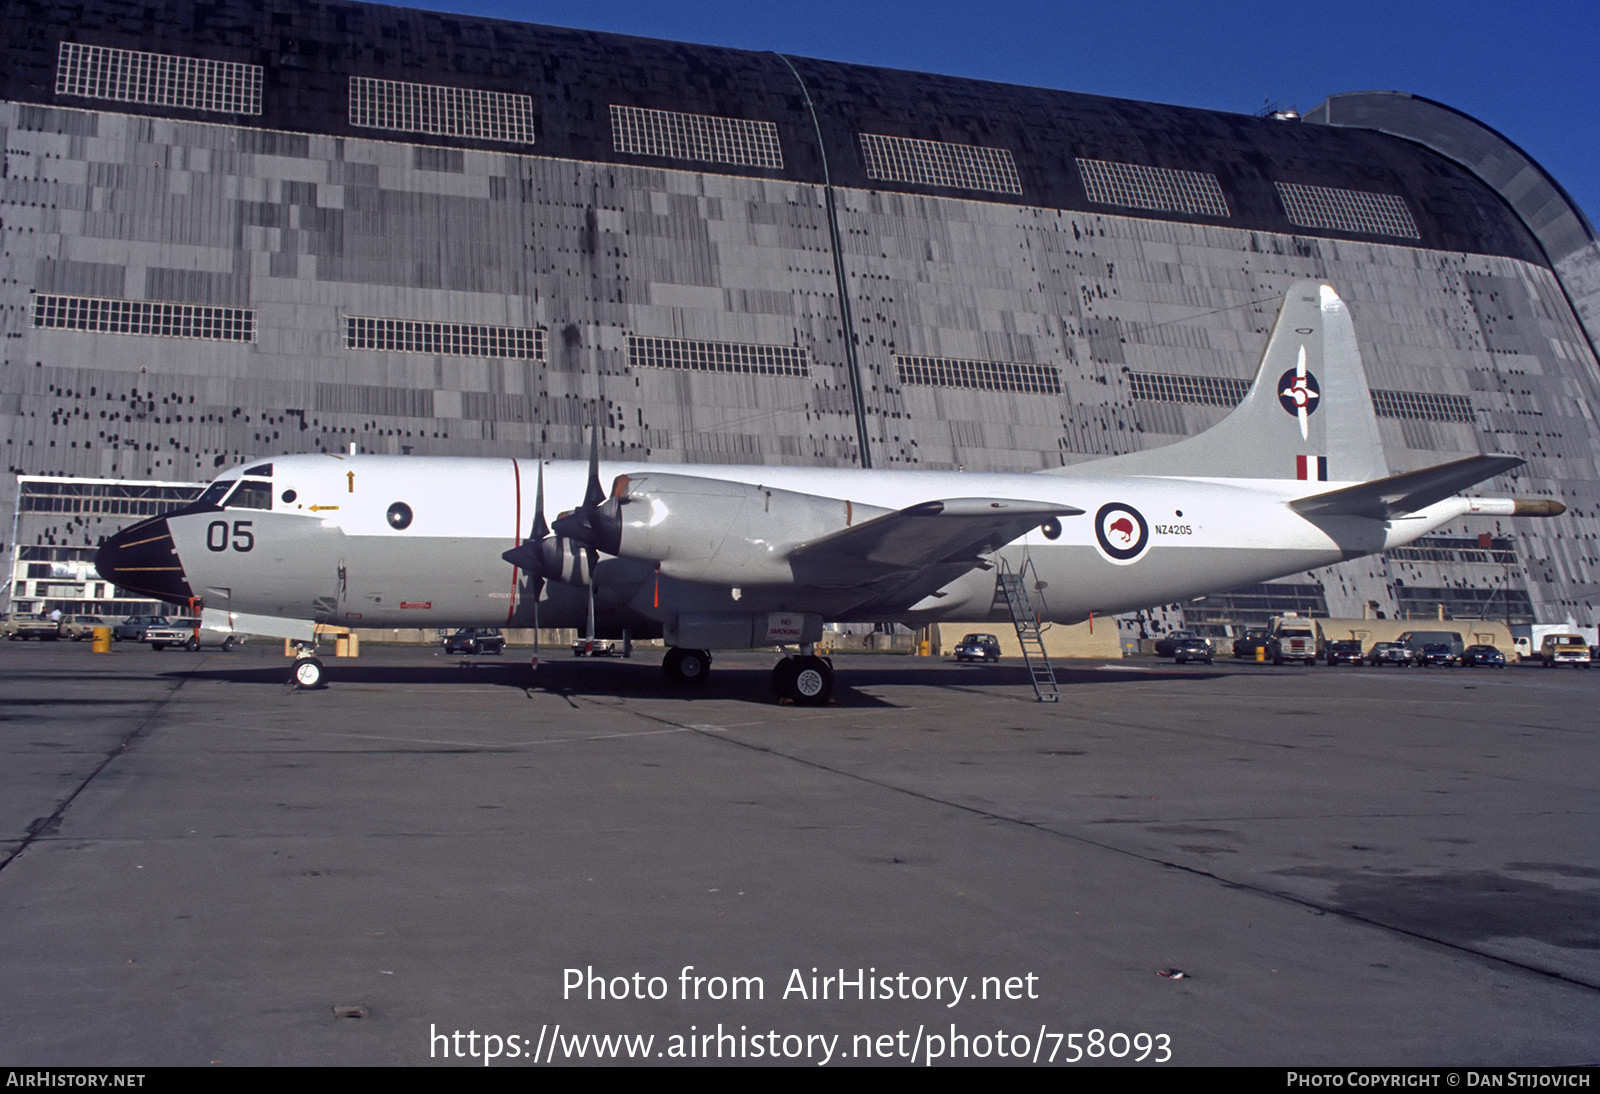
[1308,415]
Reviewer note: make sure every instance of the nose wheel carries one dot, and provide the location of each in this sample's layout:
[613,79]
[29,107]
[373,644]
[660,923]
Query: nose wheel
[686,666]
[307,670]
[805,680]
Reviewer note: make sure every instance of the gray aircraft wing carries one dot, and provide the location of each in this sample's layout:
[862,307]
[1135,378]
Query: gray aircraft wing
[897,559]
[1398,495]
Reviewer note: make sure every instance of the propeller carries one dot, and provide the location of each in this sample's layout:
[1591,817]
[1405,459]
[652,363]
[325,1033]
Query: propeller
[540,555]
[596,524]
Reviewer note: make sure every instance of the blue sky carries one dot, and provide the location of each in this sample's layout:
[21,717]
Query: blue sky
[1530,71]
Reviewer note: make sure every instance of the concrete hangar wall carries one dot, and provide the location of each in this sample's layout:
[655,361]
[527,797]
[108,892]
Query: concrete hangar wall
[233,229]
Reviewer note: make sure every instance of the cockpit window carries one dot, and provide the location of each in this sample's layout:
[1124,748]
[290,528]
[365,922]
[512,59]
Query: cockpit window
[251,495]
[262,469]
[215,492]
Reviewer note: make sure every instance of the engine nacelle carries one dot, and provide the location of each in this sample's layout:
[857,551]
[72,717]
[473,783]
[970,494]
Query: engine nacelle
[724,533]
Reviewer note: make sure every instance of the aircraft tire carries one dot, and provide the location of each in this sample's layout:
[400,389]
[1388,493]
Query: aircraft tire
[686,666]
[810,681]
[192,645]
[307,673]
[228,643]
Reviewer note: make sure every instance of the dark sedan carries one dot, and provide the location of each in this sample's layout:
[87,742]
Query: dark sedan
[475,640]
[1167,645]
[1435,653]
[1342,653]
[1483,655]
[1251,644]
[1191,649]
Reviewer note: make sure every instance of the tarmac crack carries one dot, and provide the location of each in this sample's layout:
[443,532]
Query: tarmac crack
[45,826]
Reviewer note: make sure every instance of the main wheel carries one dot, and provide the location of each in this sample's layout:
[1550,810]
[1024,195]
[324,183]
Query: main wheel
[807,680]
[228,643]
[307,673]
[686,666]
[192,645]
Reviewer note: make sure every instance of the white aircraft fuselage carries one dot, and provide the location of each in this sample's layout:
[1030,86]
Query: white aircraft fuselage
[326,551]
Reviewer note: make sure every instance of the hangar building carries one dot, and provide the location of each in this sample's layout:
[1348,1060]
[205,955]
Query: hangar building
[232,229]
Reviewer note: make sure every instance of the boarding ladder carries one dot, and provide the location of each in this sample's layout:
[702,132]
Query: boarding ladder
[1011,586]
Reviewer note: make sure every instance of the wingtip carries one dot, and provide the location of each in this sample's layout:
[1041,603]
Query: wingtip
[1536,507]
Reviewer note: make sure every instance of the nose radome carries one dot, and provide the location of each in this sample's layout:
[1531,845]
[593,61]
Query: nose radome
[144,559]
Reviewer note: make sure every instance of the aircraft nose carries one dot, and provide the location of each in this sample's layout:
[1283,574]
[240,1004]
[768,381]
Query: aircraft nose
[144,559]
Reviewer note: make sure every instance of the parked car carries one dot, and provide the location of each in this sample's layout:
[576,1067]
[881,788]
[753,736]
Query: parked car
[1189,649]
[1483,655]
[1342,653]
[1169,642]
[132,628]
[79,627]
[25,625]
[1388,653]
[1434,653]
[476,640]
[1249,643]
[978,647]
[191,634]
[594,647]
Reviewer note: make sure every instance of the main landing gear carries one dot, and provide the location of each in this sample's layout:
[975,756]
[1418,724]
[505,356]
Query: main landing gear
[686,666]
[806,679]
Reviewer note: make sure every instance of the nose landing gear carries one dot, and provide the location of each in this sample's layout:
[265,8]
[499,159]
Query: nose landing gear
[307,670]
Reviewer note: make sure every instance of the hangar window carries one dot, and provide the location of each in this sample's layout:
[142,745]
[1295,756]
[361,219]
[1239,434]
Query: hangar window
[448,339]
[446,111]
[1347,210]
[1423,406]
[703,137]
[940,163]
[1137,186]
[980,375]
[157,79]
[697,356]
[1168,387]
[147,317]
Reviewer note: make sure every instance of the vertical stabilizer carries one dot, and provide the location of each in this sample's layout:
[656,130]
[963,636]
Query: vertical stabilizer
[1308,415]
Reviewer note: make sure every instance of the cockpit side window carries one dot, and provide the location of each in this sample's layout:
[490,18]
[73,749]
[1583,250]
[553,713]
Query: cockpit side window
[214,493]
[262,469]
[251,495]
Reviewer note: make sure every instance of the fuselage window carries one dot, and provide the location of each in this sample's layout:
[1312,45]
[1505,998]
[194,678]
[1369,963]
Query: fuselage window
[251,495]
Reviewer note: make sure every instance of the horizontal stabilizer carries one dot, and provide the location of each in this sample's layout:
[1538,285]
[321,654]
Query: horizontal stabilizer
[934,533]
[1401,494]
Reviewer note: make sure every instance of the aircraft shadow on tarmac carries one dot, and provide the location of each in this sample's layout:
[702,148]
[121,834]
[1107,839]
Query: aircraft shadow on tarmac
[737,682]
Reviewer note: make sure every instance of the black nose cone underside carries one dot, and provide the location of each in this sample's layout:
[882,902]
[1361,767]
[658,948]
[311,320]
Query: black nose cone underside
[143,559]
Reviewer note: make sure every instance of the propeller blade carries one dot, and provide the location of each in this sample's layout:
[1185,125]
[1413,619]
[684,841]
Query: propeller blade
[595,524]
[596,494]
[540,528]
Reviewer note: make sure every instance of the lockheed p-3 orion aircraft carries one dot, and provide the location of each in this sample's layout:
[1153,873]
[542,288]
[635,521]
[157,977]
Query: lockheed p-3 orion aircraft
[736,557]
